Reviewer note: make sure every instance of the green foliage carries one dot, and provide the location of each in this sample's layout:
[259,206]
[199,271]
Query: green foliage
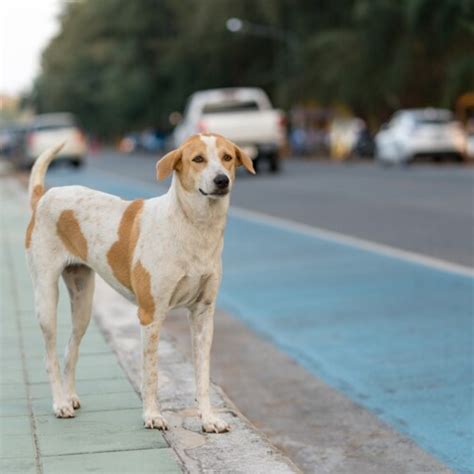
[121,64]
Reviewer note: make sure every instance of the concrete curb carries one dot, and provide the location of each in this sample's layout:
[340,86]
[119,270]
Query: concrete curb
[243,450]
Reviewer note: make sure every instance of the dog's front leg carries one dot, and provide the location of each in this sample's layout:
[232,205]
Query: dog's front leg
[151,410]
[202,328]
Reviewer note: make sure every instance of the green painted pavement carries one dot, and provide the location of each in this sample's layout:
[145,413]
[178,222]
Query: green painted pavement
[107,434]
[151,460]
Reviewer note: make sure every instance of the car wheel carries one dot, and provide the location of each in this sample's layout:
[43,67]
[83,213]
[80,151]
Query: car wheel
[76,163]
[274,163]
[256,164]
[407,162]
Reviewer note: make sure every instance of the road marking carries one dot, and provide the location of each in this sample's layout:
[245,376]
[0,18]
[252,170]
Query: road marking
[352,241]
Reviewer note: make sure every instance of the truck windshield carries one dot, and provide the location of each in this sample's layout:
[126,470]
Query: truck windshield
[233,106]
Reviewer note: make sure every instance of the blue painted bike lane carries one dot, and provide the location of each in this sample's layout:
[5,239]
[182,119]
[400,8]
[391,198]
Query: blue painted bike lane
[393,335]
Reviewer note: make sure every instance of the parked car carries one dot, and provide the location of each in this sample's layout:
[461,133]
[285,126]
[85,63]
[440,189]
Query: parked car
[244,115]
[16,140]
[413,133]
[48,130]
[7,140]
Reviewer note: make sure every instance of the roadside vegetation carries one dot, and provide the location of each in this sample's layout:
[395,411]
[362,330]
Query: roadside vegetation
[121,65]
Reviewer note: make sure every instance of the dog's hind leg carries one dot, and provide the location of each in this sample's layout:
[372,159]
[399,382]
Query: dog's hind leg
[46,301]
[79,280]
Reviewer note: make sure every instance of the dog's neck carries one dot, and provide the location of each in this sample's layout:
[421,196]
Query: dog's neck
[198,210]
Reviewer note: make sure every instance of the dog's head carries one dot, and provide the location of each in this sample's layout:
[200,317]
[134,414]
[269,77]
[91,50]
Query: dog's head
[205,164]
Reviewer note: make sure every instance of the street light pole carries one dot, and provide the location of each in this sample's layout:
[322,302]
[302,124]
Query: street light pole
[237,25]
[288,38]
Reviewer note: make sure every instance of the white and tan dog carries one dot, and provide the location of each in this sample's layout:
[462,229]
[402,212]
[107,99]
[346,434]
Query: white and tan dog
[160,253]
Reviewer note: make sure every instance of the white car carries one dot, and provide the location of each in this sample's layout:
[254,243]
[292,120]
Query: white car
[48,130]
[243,115]
[414,133]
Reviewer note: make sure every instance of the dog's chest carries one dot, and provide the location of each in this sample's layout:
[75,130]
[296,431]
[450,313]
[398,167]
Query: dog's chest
[190,289]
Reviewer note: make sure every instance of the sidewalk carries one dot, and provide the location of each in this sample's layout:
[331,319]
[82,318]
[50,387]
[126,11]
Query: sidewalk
[107,434]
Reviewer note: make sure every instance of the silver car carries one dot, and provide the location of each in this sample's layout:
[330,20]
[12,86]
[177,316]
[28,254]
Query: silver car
[48,130]
[414,133]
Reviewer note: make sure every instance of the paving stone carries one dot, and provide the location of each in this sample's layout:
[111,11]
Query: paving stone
[94,402]
[92,387]
[11,375]
[12,391]
[23,465]
[96,432]
[38,374]
[13,407]
[143,461]
[16,445]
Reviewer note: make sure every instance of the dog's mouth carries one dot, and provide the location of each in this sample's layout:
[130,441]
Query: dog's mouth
[217,192]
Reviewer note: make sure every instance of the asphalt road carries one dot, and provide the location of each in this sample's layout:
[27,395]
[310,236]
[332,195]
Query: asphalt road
[427,209]
[378,329]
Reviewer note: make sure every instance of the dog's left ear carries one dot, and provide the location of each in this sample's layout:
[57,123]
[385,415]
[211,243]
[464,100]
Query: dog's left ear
[244,160]
[167,164]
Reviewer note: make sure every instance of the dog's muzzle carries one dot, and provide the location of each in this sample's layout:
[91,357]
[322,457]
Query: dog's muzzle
[217,192]
[221,182]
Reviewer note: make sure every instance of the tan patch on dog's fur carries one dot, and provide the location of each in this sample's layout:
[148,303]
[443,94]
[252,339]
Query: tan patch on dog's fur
[38,191]
[70,233]
[141,284]
[36,195]
[121,253]
[29,230]
[167,164]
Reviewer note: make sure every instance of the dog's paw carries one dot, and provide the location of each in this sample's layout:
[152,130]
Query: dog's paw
[75,402]
[213,424]
[155,420]
[63,410]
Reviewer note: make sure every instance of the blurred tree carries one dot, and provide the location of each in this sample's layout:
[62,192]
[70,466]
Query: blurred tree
[390,54]
[122,65]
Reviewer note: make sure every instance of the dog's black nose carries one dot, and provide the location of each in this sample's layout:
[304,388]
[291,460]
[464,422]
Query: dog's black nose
[221,181]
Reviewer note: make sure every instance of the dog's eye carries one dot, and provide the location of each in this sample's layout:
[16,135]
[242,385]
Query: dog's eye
[198,159]
[227,158]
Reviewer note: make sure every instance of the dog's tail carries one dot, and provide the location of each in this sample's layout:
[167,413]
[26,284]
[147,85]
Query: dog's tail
[38,172]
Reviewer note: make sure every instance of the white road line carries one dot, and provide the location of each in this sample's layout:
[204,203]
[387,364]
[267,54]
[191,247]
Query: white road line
[329,235]
[351,241]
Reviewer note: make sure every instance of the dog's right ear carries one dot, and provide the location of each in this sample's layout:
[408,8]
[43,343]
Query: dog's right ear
[167,164]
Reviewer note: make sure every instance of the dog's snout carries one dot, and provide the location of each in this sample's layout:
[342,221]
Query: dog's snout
[221,181]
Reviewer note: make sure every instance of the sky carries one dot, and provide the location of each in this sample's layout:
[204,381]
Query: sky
[26,26]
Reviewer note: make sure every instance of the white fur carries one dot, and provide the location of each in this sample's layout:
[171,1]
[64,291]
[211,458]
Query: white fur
[214,166]
[180,245]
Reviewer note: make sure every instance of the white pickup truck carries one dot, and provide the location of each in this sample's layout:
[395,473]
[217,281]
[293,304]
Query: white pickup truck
[243,115]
